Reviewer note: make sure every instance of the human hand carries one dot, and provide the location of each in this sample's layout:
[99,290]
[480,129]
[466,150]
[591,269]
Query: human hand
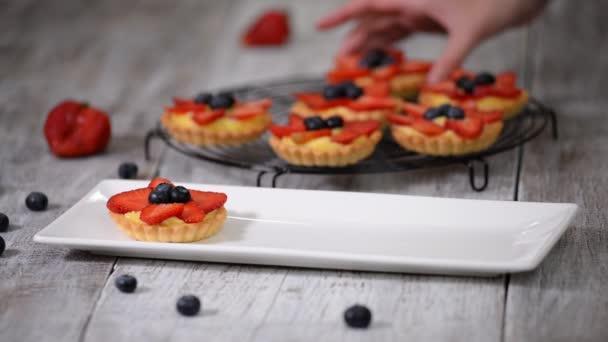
[466,22]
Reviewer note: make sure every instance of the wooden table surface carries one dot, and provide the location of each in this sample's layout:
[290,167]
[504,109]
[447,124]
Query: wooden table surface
[131,57]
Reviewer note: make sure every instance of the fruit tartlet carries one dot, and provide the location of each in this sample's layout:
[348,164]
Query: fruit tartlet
[211,120]
[163,212]
[488,92]
[347,100]
[333,142]
[446,130]
[405,77]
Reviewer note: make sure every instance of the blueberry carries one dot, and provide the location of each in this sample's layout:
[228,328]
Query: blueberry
[455,113]
[444,108]
[351,90]
[484,78]
[179,194]
[36,201]
[433,113]
[358,316]
[163,187]
[334,122]
[3,222]
[373,58]
[332,92]
[188,305]
[127,170]
[314,123]
[466,84]
[387,59]
[126,283]
[203,98]
[222,100]
[2,245]
[159,197]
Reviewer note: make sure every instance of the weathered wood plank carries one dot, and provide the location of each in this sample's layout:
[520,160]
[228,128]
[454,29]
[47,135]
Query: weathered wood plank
[566,299]
[243,303]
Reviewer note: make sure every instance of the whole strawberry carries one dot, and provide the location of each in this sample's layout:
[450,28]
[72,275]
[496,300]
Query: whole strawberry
[74,129]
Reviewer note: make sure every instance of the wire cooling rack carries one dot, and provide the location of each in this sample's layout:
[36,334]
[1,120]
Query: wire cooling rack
[388,156]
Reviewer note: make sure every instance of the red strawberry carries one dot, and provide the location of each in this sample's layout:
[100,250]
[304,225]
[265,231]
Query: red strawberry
[208,201]
[183,106]
[372,103]
[124,202]
[345,137]
[403,120]
[157,213]
[317,101]
[365,127]
[281,131]
[158,180]
[348,61]
[377,89]
[486,117]
[416,67]
[458,73]
[296,122]
[339,75]
[192,213]
[506,79]
[207,117]
[427,127]
[302,137]
[271,28]
[415,109]
[447,87]
[469,128]
[74,129]
[386,72]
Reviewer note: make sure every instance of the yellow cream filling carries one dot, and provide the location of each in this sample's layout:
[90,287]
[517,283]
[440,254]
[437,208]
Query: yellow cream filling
[321,143]
[221,124]
[487,103]
[171,221]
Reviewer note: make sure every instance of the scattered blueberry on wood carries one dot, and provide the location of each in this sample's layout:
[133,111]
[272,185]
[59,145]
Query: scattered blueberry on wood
[127,170]
[126,283]
[3,222]
[36,201]
[358,316]
[188,305]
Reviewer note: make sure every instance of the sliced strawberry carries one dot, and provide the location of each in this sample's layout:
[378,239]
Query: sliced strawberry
[458,73]
[444,87]
[365,127]
[486,117]
[506,79]
[207,117]
[340,75]
[124,202]
[402,120]
[271,28]
[348,61]
[192,213]
[416,67]
[345,137]
[386,72]
[302,137]
[296,122]
[281,131]
[262,103]
[504,91]
[377,89]
[317,101]
[414,109]
[469,128]
[372,103]
[427,127]
[208,201]
[157,213]
[183,106]
[158,180]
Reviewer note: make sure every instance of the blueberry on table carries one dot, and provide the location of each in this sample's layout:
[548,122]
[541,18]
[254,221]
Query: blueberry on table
[127,170]
[314,123]
[3,222]
[455,113]
[222,101]
[466,84]
[484,78]
[188,305]
[126,283]
[334,122]
[332,92]
[203,98]
[358,316]
[433,113]
[36,201]
[179,194]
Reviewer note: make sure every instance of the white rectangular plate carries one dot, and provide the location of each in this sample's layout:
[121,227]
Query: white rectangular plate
[337,230]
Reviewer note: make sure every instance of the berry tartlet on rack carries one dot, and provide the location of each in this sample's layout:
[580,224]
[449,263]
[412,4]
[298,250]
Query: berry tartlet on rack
[211,120]
[163,212]
[348,100]
[404,77]
[446,130]
[333,142]
[489,92]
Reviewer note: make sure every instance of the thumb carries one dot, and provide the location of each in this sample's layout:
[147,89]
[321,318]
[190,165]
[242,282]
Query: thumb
[459,45]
